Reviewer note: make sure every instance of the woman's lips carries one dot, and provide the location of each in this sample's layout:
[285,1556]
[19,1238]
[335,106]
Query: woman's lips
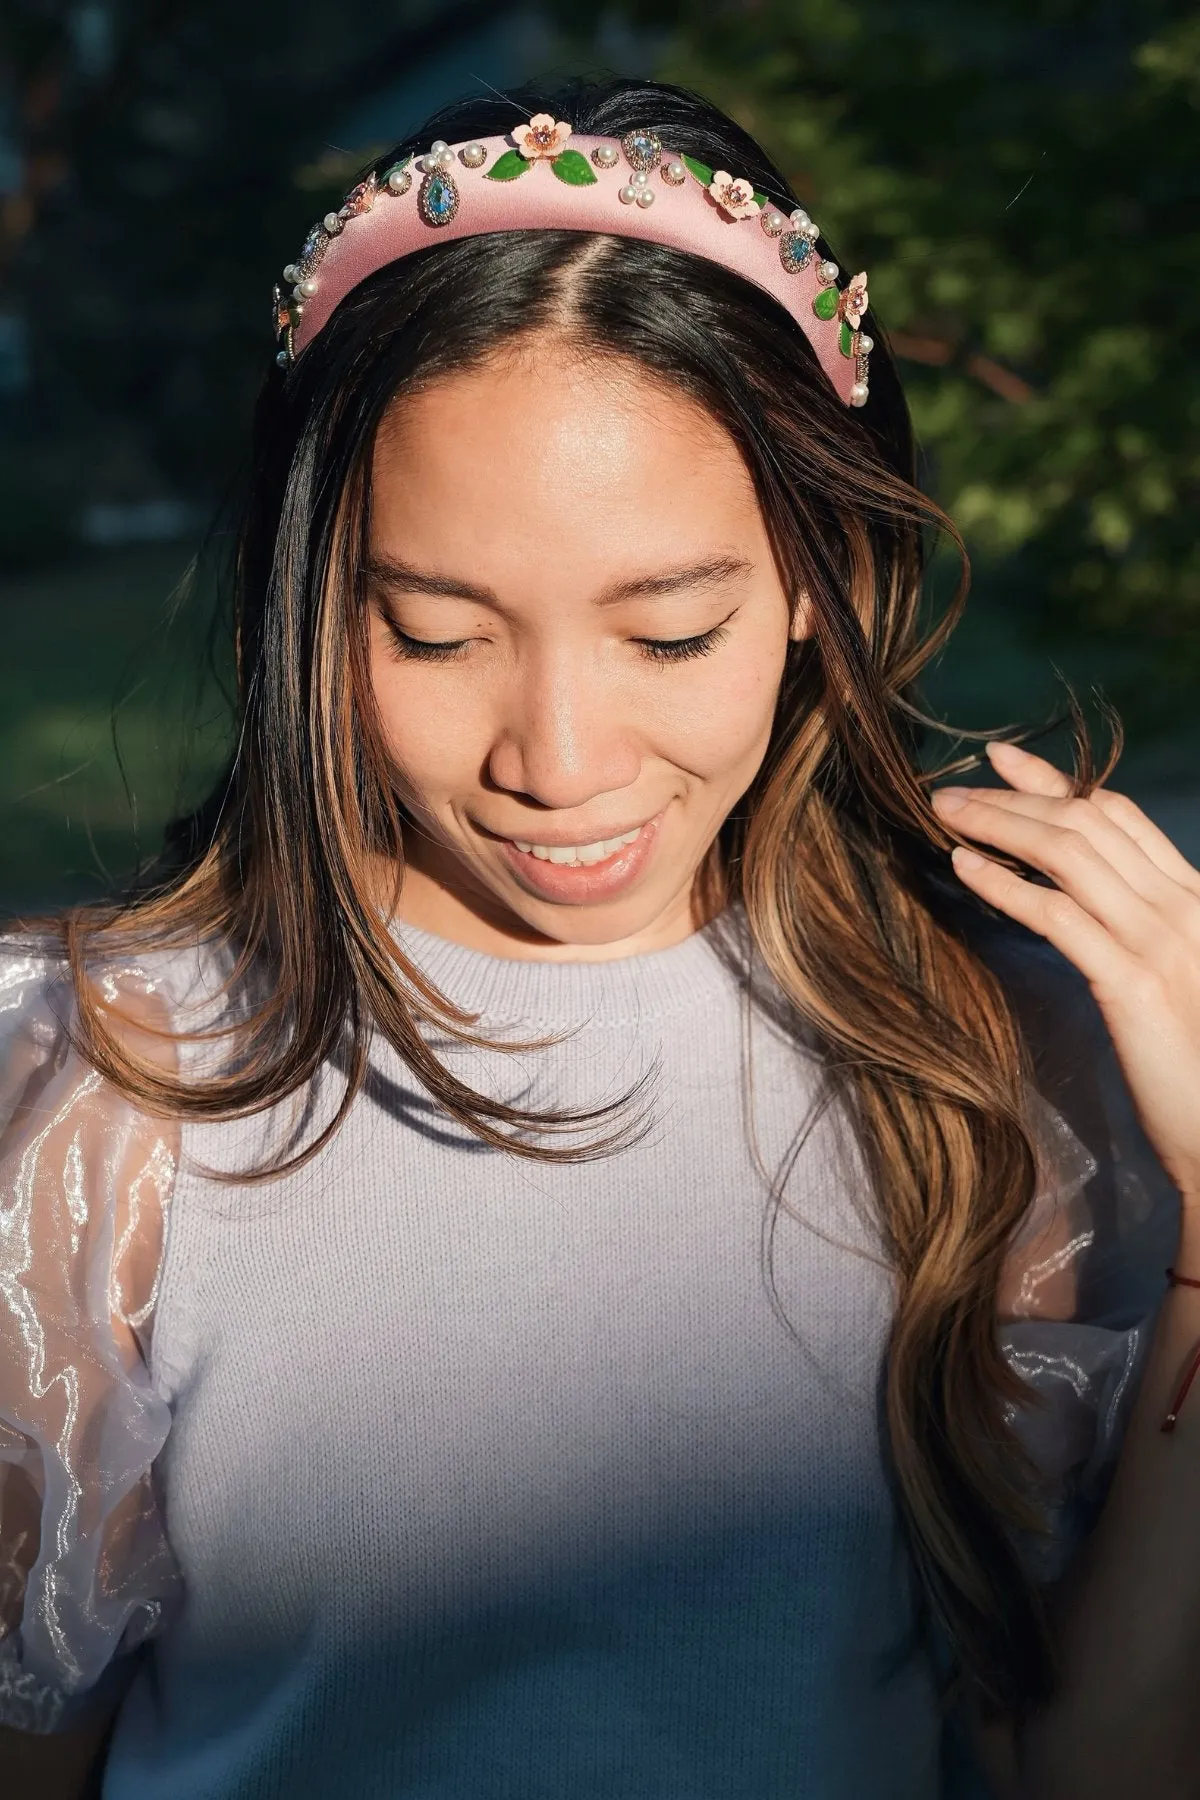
[587,881]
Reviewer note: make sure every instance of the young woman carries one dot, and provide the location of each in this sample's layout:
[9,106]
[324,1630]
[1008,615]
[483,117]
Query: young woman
[558,1241]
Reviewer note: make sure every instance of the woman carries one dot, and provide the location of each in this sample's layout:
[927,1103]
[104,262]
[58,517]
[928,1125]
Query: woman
[751,1441]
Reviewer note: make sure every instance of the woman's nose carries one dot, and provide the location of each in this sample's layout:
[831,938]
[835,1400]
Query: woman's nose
[566,733]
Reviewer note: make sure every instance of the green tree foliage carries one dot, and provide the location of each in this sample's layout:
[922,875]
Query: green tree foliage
[161,189]
[1020,178]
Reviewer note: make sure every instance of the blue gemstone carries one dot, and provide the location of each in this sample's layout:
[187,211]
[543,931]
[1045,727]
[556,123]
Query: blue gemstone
[314,243]
[643,149]
[438,199]
[794,251]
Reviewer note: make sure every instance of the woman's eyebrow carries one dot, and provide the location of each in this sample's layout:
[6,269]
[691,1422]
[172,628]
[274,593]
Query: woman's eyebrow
[713,571]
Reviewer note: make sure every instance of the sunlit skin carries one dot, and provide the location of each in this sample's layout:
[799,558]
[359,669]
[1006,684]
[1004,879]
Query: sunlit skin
[544,482]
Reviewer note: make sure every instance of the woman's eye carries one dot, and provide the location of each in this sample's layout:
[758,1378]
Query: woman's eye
[419,651]
[657,649]
[679,649]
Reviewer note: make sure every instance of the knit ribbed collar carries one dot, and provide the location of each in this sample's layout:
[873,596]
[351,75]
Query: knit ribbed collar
[624,991]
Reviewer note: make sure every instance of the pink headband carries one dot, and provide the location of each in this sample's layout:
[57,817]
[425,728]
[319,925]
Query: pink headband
[533,179]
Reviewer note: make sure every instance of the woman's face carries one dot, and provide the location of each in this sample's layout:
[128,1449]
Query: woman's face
[549,513]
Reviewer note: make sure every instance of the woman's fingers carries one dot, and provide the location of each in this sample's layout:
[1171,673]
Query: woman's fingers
[1091,822]
[1154,844]
[1054,915]
[1025,770]
[1033,774]
[1078,856]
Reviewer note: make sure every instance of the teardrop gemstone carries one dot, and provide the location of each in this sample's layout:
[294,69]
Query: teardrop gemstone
[643,149]
[794,251]
[437,201]
[309,258]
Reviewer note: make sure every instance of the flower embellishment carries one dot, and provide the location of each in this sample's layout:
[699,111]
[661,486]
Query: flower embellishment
[544,139]
[734,196]
[847,307]
[853,303]
[542,136]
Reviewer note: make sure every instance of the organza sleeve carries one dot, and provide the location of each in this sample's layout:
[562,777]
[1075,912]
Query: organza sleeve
[86,1572]
[1085,1276]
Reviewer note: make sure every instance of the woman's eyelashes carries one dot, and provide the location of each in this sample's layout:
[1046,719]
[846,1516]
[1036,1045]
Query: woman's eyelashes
[660,650]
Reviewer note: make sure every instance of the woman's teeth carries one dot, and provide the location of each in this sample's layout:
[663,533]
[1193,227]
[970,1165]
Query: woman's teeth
[577,853]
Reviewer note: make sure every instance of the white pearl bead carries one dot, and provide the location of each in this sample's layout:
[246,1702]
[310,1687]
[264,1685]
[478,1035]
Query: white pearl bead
[810,231]
[332,224]
[307,288]
[858,394]
[675,171]
[866,344]
[399,181]
[772,220]
[798,219]
[639,178]
[290,273]
[437,146]
[829,270]
[473,155]
[627,195]
[445,159]
[645,196]
[605,155]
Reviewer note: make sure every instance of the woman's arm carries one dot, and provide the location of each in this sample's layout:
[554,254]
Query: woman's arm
[67,1765]
[1124,907]
[1126,1719]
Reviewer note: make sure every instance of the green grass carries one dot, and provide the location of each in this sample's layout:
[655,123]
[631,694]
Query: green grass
[106,724]
[99,632]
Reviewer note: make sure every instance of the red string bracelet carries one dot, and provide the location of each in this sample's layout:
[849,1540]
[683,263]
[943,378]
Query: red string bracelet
[1168,1423]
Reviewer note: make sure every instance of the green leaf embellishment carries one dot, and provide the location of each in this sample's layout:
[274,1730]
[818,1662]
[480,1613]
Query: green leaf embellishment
[509,166]
[700,170]
[572,167]
[761,199]
[826,303]
[846,339]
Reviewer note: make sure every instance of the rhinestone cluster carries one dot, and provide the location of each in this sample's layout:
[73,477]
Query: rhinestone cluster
[545,139]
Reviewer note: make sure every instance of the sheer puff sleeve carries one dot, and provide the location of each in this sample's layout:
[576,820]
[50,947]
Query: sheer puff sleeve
[86,1573]
[1085,1275]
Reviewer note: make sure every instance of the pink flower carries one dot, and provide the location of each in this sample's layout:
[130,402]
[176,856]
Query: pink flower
[853,303]
[734,197]
[542,137]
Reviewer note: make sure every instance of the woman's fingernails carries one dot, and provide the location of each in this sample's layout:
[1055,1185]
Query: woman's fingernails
[962,858]
[993,749]
[951,799]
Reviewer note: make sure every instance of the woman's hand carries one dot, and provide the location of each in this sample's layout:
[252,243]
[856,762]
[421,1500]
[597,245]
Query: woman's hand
[1126,911]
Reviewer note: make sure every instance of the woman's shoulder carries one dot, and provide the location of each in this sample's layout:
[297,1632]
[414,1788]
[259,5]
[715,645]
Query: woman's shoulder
[154,976]
[86,1179]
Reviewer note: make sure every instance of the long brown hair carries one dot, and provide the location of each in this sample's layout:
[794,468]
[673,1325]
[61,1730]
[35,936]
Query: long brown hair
[834,852]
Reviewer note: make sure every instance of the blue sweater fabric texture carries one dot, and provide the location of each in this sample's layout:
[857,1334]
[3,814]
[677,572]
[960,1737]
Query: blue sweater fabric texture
[483,1478]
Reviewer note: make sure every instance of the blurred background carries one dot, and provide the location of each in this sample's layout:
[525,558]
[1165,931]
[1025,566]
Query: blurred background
[1019,177]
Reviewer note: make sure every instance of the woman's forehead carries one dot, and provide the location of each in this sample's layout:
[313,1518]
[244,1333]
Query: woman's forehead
[558,394]
[511,474]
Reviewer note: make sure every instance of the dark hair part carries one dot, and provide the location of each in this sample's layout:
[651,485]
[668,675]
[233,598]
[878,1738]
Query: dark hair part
[834,852]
